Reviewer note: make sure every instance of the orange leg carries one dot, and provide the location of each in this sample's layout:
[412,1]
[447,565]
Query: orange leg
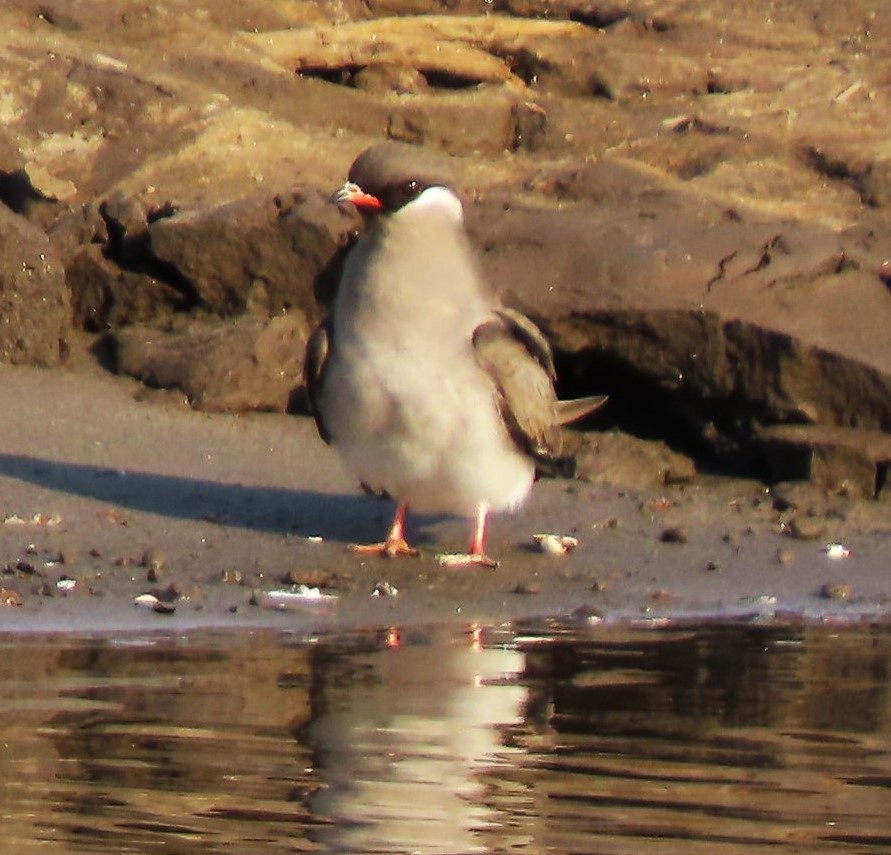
[477,555]
[395,544]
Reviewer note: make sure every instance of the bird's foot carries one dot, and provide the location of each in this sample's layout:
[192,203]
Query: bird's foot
[390,548]
[466,559]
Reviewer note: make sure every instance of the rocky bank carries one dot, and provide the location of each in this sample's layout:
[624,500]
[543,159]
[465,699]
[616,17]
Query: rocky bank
[691,198]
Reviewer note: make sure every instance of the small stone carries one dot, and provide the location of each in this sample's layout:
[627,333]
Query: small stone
[163,608]
[66,585]
[731,539]
[152,560]
[713,566]
[526,588]
[167,595]
[839,591]
[784,556]
[25,568]
[760,600]
[555,544]
[9,597]
[310,578]
[675,534]
[587,614]
[384,589]
[837,551]
[805,528]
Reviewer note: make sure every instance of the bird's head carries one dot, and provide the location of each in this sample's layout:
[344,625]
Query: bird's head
[391,177]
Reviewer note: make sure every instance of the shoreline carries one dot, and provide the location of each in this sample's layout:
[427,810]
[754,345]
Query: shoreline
[115,497]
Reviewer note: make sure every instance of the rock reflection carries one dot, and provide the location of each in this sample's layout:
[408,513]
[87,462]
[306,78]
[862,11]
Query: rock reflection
[719,740]
[709,739]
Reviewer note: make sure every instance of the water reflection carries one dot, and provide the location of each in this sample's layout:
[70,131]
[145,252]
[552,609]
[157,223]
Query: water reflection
[406,742]
[718,740]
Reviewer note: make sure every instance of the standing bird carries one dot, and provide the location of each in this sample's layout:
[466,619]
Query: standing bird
[427,387]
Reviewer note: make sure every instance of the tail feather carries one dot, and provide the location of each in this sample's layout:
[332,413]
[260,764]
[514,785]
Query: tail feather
[570,411]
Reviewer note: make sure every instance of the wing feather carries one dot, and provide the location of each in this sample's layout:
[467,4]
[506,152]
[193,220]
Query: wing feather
[518,360]
[314,364]
[512,350]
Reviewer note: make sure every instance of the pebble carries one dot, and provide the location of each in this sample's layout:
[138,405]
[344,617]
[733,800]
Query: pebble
[784,556]
[731,539]
[839,591]
[8,597]
[384,589]
[805,528]
[152,560]
[837,551]
[555,544]
[526,588]
[588,615]
[675,534]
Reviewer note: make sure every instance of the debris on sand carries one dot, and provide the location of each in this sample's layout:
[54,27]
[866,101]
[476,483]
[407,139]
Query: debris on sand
[838,591]
[43,520]
[160,600]
[294,597]
[836,551]
[384,589]
[9,597]
[555,544]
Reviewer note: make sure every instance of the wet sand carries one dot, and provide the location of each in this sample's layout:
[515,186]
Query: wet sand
[109,493]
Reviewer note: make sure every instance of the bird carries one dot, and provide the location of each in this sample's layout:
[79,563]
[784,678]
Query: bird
[430,389]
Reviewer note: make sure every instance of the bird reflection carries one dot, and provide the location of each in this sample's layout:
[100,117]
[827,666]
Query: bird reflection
[404,741]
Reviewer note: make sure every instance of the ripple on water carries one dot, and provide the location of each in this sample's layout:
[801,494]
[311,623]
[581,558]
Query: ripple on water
[721,739]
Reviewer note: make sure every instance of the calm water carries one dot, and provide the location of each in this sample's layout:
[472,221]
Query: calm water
[705,740]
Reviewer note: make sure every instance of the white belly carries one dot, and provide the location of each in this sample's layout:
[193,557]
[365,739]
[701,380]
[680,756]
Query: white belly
[432,438]
[403,398]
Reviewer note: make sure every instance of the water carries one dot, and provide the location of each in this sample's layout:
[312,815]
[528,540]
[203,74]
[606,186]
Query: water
[733,739]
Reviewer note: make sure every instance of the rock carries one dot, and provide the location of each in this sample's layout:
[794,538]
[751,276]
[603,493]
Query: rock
[104,295]
[35,311]
[260,254]
[626,461]
[843,460]
[387,77]
[222,366]
[453,51]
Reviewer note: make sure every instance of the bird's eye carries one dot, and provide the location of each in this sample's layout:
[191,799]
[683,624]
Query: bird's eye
[397,195]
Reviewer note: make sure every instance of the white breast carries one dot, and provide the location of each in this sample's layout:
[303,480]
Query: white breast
[404,399]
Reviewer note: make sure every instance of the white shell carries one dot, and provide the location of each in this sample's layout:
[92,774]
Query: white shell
[836,551]
[555,544]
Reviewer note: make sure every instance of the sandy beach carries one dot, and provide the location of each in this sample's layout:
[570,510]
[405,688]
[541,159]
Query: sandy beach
[239,521]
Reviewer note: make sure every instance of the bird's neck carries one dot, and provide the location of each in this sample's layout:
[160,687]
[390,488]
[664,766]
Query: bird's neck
[421,271]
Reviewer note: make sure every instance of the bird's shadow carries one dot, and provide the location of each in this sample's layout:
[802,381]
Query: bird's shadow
[336,517]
